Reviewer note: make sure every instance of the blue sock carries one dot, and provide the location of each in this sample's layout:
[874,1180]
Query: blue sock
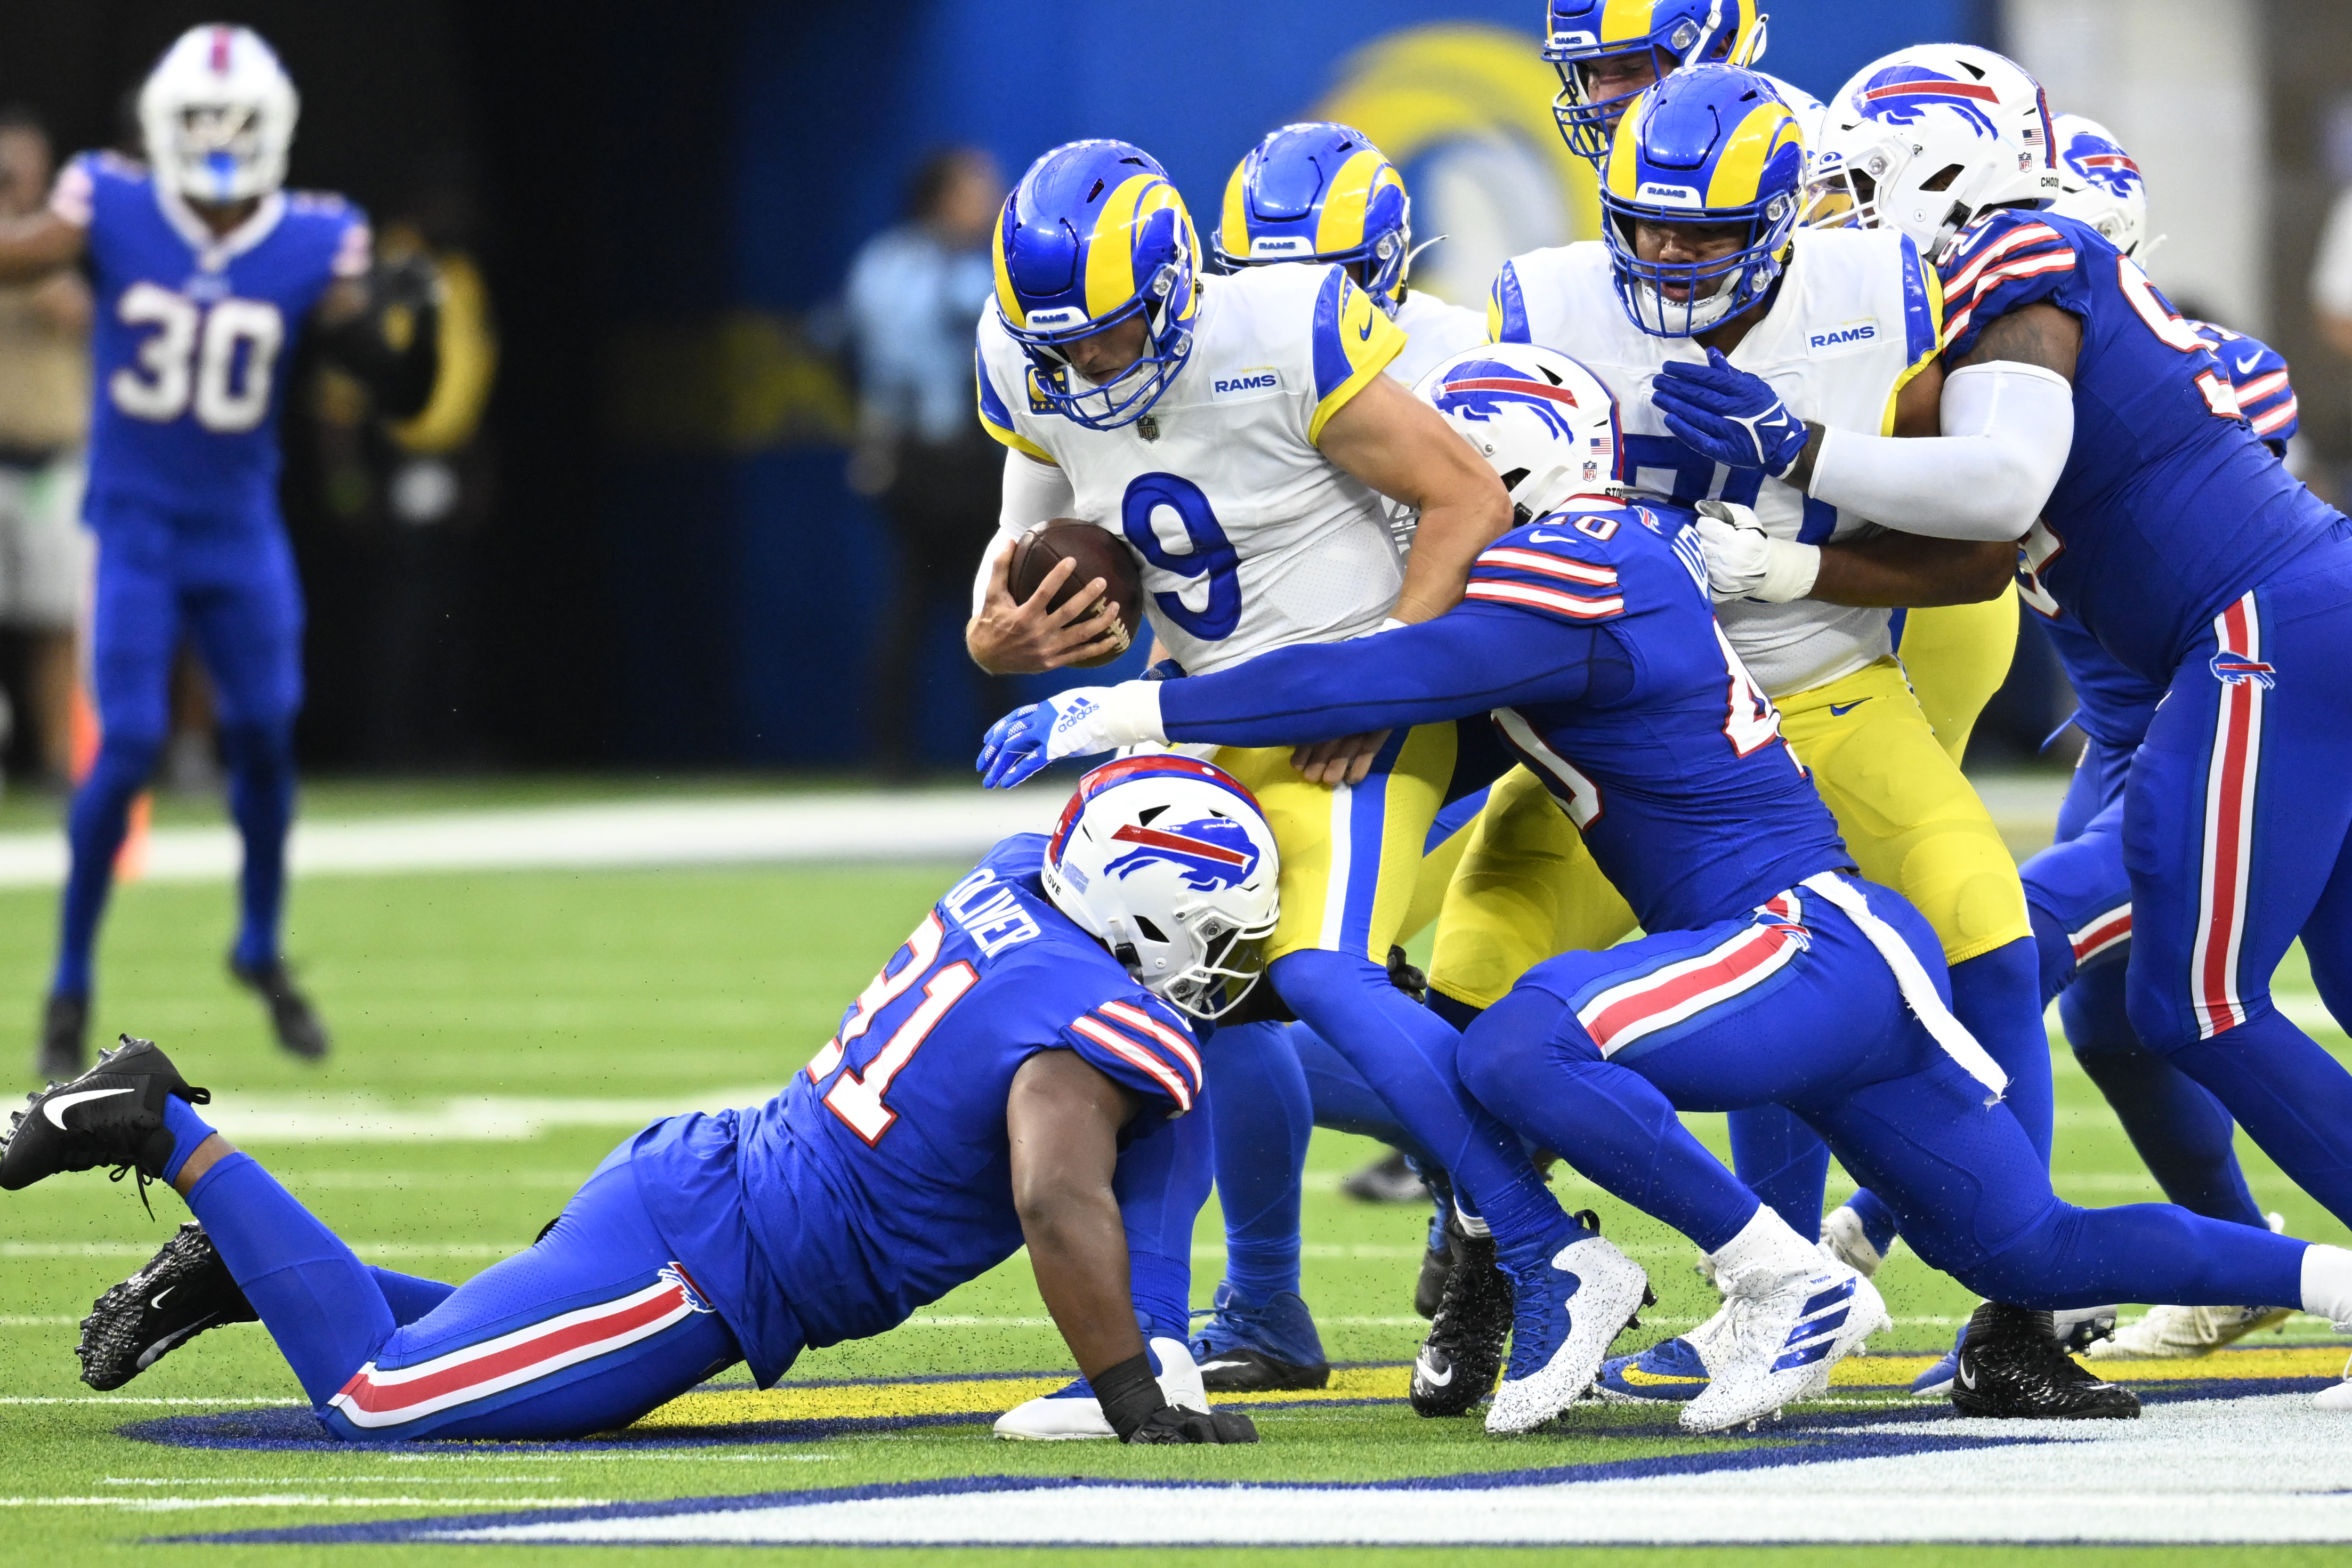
[318,1300]
[1407,1053]
[1998,997]
[408,1296]
[1343,1101]
[2292,1098]
[1453,1010]
[95,827]
[261,798]
[1262,1115]
[1878,1222]
[1162,1184]
[188,1133]
[1782,1162]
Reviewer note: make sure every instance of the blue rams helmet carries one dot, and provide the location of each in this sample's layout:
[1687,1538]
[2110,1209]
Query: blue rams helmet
[1712,144]
[1319,191]
[1094,234]
[1675,33]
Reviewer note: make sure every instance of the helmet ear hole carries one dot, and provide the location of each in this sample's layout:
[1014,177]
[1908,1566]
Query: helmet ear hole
[1943,178]
[1513,479]
[1148,929]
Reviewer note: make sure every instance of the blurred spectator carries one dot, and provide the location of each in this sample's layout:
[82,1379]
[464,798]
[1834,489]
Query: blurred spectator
[915,292]
[2331,272]
[44,417]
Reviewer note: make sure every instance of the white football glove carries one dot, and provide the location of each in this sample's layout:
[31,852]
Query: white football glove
[1743,561]
[1079,722]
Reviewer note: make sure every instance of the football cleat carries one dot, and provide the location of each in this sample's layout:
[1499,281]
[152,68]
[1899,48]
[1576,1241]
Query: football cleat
[299,1031]
[1781,1336]
[1845,1240]
[2011,1366]
[2340,1396]
[1669,1373]
[1071,1412]
[2181,1333]
[2080,1328]
[1462,1355]
[65,1038]
[1936,1381]
[184,1289]
[1387,1180]
[1252,1347]
[110,1115]
[1569,1308]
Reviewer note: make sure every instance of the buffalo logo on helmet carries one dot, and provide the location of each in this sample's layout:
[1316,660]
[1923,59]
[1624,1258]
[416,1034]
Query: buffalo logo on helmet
[1899,95]
[1215,852]
[2237,670]
[1480,389]
[2102,163]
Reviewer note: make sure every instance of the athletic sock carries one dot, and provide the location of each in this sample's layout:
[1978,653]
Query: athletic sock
[1782,1162]
[261,798]
[1768,1244]
[1406,1052]
[2327,1285]
[188,1133]
[1997,996]
[95,827]
[318,1300]
[2292,1098]
[1262,1116]
[1879,1225]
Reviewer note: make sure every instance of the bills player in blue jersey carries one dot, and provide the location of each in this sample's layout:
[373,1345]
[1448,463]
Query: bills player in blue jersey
[207,272]
[2149,511]
[1770,974]
[1020,1071]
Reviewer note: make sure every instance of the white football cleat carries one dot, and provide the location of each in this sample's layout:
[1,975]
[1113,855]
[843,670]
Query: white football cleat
[1072,1413]
[2340,1396]
[1566,1312]
[1783,1335]
[1845,1240]
[2182,1333]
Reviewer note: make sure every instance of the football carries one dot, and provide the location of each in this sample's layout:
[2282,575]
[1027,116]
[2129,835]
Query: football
[1098,554]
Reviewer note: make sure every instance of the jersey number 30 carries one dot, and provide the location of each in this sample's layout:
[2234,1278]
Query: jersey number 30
[856,1096]
[217,362]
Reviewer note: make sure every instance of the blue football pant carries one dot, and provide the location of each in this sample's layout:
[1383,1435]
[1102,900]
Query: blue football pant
[1744,1014]
[230,586]
[2236,818]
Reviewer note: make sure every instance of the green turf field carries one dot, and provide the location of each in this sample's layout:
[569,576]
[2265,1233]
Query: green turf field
[621,988]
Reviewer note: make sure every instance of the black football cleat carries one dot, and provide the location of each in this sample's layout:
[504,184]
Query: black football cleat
[64,1037]
[2011,1365]
[1462,1354]
[300,1030]
[1387,1180]
[185,1289]
[1429,1285]
[110,1115]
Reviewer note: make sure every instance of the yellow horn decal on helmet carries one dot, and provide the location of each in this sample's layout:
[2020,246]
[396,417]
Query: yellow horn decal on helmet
[1110,253]
[1006,301]
[1341,226]
[1233,234]
[1625,21]
[1739,167]
[1623,156]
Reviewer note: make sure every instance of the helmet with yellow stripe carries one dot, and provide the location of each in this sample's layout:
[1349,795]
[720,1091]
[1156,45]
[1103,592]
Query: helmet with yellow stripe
[1094,234]
[1319,191]
[1608,51]
[1712,145]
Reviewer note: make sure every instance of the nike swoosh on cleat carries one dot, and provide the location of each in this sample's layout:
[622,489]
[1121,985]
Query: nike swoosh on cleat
[55,1110]
[1635,1375]
[1429,1375]
[1840,709]
[157,1304]
[1221,1366]
[1967,1379]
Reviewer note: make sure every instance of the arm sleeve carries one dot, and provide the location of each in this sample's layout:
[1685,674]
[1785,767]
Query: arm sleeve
[1470,659]
[1034,492]
[1143,1045]
[1354,340]
[2009,428]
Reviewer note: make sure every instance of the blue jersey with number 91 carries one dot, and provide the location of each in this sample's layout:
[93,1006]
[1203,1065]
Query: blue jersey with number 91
[194,333]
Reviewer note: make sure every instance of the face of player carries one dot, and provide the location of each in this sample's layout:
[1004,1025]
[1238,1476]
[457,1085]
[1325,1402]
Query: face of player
[1687,244]
[1108,354]
[25,169]
[1616,76]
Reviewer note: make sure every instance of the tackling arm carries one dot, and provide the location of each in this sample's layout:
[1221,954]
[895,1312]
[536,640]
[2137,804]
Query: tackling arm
[351,322]
[1403,448]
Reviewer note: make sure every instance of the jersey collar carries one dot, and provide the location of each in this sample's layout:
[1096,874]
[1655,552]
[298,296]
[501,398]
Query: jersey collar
[214,252]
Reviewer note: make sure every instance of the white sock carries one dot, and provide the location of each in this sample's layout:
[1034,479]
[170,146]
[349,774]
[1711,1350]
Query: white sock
[2327,1285]
[1471,1223]
[1766,1246]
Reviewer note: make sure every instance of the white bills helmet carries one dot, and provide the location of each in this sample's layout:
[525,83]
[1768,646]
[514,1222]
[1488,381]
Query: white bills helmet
[1170,863]
[217,112]
[1926,138]
[2099,183]
[1546,426]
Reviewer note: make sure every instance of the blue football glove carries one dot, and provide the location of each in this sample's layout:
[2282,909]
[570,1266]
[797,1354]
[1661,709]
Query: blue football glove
[1027,739]
[1726,414]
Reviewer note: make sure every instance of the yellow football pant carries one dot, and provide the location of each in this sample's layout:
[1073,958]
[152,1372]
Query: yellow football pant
[1957,656]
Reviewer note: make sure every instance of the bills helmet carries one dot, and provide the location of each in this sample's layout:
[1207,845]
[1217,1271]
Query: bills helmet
[1094,234]
[1926,138]
[1319,191]
[1711,144]
[1580,34]
[218,113]
[1546,426]
[2099,183]
[1170,863]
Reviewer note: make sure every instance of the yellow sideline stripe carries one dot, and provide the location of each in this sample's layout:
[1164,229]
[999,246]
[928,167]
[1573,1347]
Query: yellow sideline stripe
[2301,1361]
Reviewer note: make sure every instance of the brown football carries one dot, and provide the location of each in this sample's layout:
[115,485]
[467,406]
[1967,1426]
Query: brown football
[1098,554]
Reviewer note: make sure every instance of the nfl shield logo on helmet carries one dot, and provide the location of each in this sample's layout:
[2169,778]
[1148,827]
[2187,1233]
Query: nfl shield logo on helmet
[1215,852]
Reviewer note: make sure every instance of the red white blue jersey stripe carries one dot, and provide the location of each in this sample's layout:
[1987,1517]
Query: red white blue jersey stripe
[378,1397]
[2230,778]
[1680,989]
[2102,934]
[1532,578]
[1147,1039]
[1980,271]
[2259,372]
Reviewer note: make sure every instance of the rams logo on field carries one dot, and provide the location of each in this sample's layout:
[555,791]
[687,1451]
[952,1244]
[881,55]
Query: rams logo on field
[1242,383]
[1215,852]
[1852,332]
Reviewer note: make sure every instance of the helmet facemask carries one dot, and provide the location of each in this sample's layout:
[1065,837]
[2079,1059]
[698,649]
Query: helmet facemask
[218,115]
[1716,290]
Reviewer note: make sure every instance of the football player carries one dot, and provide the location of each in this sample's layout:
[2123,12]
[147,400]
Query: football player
[207,273]
[1609,52]
[1770,972]
[2151,513]
[1018,1073]
[1239,434]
